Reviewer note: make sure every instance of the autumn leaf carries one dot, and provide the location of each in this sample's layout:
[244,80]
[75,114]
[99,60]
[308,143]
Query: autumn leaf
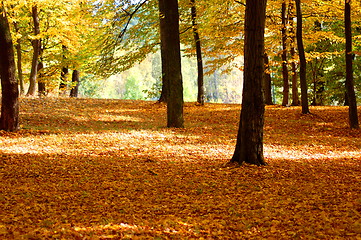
[109,169]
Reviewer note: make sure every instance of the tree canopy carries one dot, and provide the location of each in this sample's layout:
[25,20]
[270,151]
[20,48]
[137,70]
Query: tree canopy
[103,38]
[99,39]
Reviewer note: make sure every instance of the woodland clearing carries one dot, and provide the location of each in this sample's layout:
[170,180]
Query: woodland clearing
[109,169]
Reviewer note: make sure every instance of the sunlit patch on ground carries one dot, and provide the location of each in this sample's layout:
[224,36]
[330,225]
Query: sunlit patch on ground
[109,169]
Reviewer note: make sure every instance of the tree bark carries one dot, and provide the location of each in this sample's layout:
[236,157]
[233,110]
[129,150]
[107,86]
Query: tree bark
[350,88]
[295,96]
[286,84]
[200,79]
[165,84]
[9,120]
[303,64]
[41,82]
[267,85]
[36,52]
[64,73]
[170,42]
[249,146]
[63,78]
[75,84]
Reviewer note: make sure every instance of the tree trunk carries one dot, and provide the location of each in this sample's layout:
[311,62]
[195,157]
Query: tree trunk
[314,82]
[164,93]
[75,84]
[249,147]
[170,42]
[36,48]
[9,120]
[295,96]
[63,79]
[267,85]
[350,89]
[41,82]
[286,84]
[165,83]
[19,60]
[64,72]
[200,79]
[346,103]
[303,64]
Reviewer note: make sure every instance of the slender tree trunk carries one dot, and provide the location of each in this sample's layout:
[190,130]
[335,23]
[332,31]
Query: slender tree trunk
[165,83]
[249,146]
[41,82]
[314,82]
[200,80]
[320,93]
[350,89]
[9,119]
[75,84]
[36,52]
[267,85]
[169,31]
[286,84]
[303,64]
[64,73]
[19,60]
[63,79]
[295,96]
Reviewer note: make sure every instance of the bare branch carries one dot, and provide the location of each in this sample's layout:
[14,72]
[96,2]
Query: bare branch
[131,15]
[242,3]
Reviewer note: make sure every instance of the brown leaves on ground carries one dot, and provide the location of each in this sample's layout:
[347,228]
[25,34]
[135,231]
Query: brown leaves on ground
[108,169]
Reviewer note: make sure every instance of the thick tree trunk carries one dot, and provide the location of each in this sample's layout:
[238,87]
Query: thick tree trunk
[165,84]
[303,64]
[346,103]
[36,52]
[350,88]
[267,85]
[75,84]
[9,120]
[200,79]
[249,147]
[19,60]
[286,84]
[170,42]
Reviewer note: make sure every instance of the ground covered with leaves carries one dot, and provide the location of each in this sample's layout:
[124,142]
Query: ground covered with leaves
[109,169]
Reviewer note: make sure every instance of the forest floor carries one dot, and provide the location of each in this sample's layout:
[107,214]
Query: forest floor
[109,169]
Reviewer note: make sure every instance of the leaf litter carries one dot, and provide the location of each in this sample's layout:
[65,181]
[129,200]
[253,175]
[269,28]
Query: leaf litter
[109,169]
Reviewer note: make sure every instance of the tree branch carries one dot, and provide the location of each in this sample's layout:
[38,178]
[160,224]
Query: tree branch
[131,15]
[242,3]
[185,30]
